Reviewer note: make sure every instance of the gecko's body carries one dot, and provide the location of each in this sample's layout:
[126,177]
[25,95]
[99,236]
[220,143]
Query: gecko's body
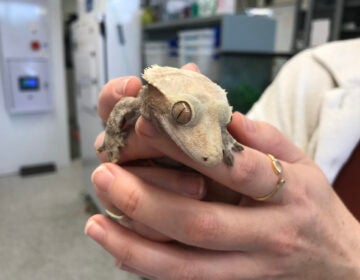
[185,104]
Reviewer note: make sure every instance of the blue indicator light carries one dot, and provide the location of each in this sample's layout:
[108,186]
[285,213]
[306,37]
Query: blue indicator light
[29,83]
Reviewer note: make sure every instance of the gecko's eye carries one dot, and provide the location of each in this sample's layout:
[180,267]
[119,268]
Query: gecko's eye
[181,112]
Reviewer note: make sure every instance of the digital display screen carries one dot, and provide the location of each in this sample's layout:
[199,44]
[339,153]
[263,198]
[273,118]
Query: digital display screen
[29,83]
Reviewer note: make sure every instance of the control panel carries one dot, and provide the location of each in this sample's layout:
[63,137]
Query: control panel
[25,56]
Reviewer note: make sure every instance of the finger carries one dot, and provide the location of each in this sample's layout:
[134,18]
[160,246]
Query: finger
[127,222]
[191,66]
[184,183]
[113,91]
[214,191]
[169,260]
[198,223]
[263,137]
[252,173]
[135,149]
[192,185]
[132,270]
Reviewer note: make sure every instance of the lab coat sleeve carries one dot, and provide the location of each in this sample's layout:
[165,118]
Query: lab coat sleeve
[293,102]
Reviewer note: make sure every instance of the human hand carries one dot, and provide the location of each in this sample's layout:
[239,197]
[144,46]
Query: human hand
[302,232]
[193,183]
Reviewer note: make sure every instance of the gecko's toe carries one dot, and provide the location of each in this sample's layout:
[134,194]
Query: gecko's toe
[228,158]
[100,149]
[237,147]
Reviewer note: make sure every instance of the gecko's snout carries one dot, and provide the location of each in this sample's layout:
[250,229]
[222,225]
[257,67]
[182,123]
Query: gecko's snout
[208,160]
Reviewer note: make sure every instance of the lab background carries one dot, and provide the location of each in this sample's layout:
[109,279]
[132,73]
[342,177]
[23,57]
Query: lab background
[55,56]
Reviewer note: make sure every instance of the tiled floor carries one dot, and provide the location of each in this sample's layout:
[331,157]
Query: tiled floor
[41,230]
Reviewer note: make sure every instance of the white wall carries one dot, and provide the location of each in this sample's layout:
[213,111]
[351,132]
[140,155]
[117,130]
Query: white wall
[38,138]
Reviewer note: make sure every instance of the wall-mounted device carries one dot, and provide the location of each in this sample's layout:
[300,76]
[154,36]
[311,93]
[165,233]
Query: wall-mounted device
[25,55]
[105,45]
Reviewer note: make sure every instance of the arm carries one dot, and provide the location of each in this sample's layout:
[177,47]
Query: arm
[293,102]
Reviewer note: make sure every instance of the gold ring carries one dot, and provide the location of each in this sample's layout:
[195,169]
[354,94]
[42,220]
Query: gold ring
[116,217]
[277,167]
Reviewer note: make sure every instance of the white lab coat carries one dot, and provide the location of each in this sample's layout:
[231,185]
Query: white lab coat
[315,101]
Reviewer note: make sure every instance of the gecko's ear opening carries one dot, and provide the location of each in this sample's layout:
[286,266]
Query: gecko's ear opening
[182,112]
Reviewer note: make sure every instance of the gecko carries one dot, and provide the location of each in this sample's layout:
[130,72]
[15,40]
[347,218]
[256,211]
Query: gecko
[190,108]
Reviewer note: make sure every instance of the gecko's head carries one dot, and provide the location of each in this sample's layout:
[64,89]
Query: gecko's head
[197,127]
[191,109]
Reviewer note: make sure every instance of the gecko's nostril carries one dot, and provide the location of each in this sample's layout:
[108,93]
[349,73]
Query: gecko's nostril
[205,158]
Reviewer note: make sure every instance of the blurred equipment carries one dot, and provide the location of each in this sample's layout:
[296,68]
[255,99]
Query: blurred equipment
[156,52]
[25,56]
[200,46]
[106,45]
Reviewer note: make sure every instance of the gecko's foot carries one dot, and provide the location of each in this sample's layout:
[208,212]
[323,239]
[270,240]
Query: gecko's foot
[237,147]
[228,158]
[102,148]
[113,155]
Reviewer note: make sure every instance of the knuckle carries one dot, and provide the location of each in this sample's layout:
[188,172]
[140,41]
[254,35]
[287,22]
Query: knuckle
[285,243]
[126,255]
[289,238]
[132,202]
[203,228]
[303,195]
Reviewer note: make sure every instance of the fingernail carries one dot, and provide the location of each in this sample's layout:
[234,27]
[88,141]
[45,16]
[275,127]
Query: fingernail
[125,83]
[95,231]
[194,186]
[102,178]
[191,66]
[249,124]
[122,89]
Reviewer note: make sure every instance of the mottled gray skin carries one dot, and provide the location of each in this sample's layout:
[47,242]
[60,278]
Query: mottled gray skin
[199,129]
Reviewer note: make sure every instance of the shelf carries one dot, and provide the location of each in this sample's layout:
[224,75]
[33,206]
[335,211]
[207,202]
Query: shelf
[260,54]
[183,23]
[356,30]
[352,4]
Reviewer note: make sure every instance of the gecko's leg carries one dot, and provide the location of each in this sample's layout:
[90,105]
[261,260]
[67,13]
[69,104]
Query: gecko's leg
[230,145]
[120,122]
